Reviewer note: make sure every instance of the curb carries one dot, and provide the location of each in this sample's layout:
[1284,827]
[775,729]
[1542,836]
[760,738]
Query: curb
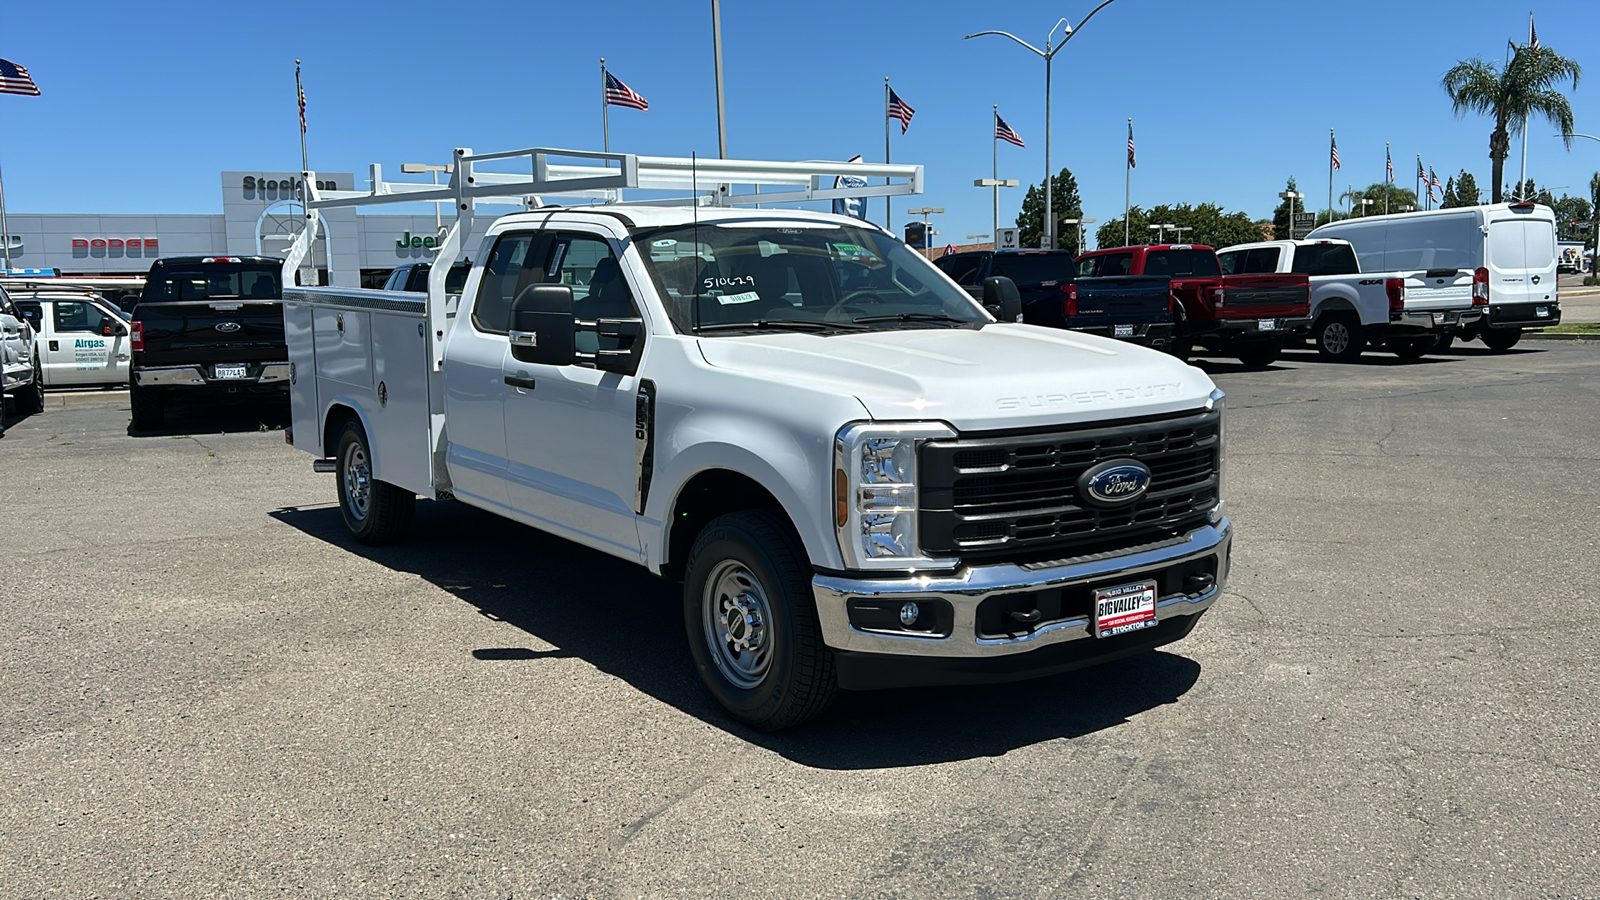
[64,399]
[1580,338]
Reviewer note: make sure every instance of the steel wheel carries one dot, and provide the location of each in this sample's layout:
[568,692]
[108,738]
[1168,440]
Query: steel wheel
[737,618]
[357,474]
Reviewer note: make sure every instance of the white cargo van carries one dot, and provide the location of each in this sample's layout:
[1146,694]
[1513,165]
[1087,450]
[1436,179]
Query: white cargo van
[1502,253]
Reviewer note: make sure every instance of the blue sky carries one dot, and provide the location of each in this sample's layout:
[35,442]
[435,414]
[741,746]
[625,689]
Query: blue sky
[145,103]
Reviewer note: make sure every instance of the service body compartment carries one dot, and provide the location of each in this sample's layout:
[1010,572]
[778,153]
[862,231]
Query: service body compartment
[365,351]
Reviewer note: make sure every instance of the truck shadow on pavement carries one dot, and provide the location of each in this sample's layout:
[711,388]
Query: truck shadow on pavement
[185,417]
[628,623]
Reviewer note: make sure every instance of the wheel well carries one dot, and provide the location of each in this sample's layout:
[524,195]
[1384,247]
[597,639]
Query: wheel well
[709,494]
[333,426]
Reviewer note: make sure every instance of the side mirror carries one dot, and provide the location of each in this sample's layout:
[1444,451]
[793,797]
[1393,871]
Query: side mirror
[542,325]
[1002,299]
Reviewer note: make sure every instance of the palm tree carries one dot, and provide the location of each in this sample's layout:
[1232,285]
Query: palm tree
[1527,86]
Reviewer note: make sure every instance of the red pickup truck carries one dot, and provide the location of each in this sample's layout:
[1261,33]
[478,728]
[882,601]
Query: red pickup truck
[1246,316]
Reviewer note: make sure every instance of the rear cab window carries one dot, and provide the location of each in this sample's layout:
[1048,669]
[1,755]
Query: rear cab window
[1033,268]
[1113,265]
[1180,262]
[1325,259]
[181,281]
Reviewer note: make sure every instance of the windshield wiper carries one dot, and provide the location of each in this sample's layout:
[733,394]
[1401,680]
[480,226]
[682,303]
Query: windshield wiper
[777,325]
[911,317]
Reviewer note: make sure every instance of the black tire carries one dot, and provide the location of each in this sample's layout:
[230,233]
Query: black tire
[30,400]
[1414,348]
[752,622]
[1444,342]
[1339,337]
[1182,343]
[376,512]
[149,405]
[1259,354]
[1501,339]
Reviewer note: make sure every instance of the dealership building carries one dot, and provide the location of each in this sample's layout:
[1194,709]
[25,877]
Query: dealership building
[260,216]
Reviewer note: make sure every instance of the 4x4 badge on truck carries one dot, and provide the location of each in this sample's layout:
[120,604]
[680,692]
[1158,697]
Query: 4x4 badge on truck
[1114,482]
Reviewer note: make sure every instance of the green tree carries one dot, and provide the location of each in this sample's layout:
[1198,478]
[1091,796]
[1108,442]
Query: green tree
[1064,203]
[1280,215]
[1594,197]
[1205,224]
[1572,217]
[1467,193]
[1398,198]
[1527,86]
[1449,199]
[1530,191]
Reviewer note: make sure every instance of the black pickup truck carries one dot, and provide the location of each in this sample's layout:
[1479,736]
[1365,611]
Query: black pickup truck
[1129,308]
[209,326]
[413,277]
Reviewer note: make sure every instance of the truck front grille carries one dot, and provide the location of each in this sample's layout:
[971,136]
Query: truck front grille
[1015,496]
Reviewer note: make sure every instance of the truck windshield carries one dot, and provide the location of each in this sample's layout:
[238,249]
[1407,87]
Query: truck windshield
[1325,259]
[760,273]
[205,281]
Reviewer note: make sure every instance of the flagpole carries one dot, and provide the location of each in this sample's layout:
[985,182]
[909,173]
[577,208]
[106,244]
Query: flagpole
[994,143]
[299,93]
[1127,187]
[1419,180]
[5,230]
[888,204]
[605,111]
[305,169]
[1388,176]
[1331,143]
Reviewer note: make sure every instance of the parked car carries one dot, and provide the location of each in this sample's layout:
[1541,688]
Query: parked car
[413,278]
[19,361]
[1500,256]
[83,339]
[1351,309]
[1250,317]
[1131,308]
[207,326]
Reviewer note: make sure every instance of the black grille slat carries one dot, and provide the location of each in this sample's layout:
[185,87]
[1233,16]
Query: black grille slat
[1009,496]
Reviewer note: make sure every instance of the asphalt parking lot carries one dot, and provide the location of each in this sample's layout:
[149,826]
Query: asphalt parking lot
[210,690]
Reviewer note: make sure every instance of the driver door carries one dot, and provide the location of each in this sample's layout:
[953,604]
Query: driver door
[571,463]
[89,345]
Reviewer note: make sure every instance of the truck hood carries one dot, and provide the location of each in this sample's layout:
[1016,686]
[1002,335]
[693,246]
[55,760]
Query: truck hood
[1002,376]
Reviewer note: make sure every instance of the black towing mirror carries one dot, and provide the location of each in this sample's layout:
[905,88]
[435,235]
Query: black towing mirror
[542,325]
[1002,299]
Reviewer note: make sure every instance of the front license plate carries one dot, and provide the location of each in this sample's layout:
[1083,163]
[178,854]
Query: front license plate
[1122,330]
[1543,311]
[228,372]
[1267,325]
[1125,608]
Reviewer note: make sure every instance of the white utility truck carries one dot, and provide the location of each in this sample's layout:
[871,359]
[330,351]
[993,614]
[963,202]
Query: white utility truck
[862,477]
[1351,309]
[1500,256]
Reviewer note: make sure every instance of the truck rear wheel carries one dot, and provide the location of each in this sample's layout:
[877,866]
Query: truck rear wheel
[376,512]
[30,400]
[1499,339]
[1340,338]
[752,622]
[1260,354]
[149,407]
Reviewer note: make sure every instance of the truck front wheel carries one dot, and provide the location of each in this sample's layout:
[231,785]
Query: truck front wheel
[376,512]
[30,400]
[1260,354]
[752,623]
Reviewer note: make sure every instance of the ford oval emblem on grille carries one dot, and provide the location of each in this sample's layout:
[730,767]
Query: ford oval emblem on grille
[228,327]
[1114,482]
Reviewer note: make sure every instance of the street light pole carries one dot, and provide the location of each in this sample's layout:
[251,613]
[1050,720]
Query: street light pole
[1048,53]
[925,212]
[1291,196]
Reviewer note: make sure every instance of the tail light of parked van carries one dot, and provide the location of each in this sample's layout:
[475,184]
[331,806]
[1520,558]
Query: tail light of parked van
[1069,293]
[136,340]
[1480,287]
[1396,289]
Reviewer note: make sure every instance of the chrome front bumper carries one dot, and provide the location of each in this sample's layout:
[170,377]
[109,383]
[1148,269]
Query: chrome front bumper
[970,587]
[194,376]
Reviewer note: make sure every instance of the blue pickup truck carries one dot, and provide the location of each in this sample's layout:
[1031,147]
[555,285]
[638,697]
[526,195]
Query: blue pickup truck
[1135,308]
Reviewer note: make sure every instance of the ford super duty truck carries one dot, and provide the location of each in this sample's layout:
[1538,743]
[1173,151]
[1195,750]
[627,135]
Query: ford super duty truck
[1250,317]
[1351,309]
[861,476]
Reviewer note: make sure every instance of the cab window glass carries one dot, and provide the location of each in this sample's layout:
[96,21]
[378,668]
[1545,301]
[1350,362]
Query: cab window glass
[75,315]
[962,269]
[1115,265]
[1089,267]
[599,290]
[1261,261]
[1230,262]
[513,265]
[30,311]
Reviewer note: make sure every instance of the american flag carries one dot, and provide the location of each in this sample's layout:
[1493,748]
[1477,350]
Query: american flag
[1388,165]
[619,94]
[1132,163]
[949,249]
[302,92]
[1533,36]
[1003,132]
[1432,181]
[1335,151]
[14,79]
[899,109]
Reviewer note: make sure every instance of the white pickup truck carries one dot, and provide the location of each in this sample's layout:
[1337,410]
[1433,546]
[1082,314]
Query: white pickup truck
[862,477]
[1350,309]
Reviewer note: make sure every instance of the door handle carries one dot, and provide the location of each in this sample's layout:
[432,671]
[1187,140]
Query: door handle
[54,346]
[519,381]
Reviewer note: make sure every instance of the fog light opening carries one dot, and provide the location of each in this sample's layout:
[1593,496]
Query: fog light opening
[909,613]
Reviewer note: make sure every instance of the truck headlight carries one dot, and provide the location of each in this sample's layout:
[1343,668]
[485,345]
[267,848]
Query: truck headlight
[1216,402]
[875,493]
